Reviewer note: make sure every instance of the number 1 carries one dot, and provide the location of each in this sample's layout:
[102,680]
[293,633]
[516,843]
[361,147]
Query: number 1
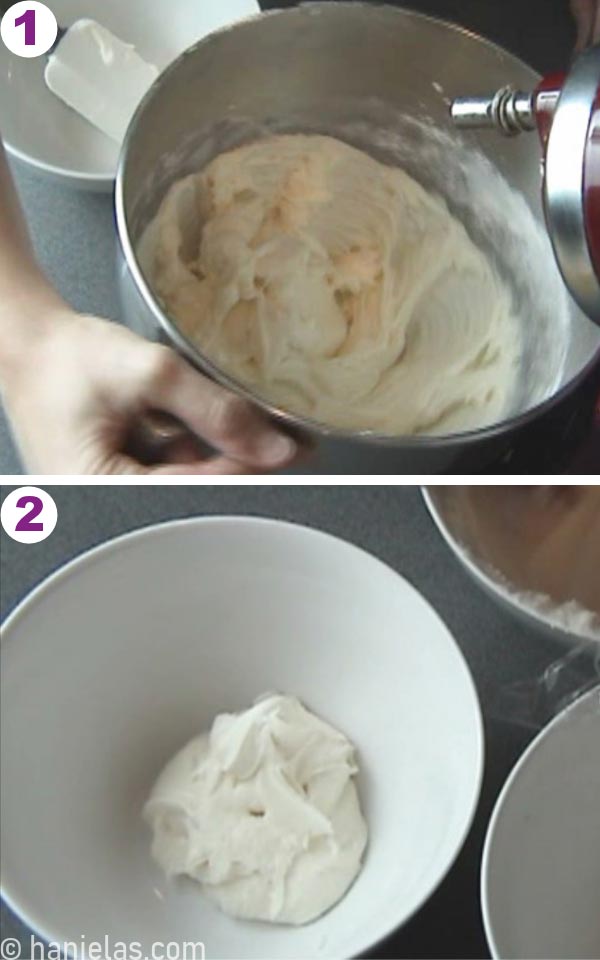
[28,19]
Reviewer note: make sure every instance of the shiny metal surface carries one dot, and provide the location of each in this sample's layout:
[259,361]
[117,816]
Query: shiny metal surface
[564,182]
[456,522]
[330,68]
[509,111]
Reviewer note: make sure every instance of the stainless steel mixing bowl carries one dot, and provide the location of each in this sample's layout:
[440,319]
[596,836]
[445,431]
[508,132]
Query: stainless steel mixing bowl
[380,78]
[467,523]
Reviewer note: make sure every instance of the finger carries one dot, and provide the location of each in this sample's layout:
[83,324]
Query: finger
[185,450]
[585,14]
[224,420]
[218,466]
[122,465]
[596,25]
[156,438]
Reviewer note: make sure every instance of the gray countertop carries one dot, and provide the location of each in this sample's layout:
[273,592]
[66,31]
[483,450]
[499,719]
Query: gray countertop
[393,524]
[74,231]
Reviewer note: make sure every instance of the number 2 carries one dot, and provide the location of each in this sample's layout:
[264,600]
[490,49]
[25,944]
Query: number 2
[28,19]
[26,524]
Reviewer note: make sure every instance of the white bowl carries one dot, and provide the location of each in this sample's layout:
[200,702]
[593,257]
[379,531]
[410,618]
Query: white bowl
[541,862]
[40,130]
[125,654]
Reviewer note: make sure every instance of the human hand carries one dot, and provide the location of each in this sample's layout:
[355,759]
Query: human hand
[587,18]
[76,392]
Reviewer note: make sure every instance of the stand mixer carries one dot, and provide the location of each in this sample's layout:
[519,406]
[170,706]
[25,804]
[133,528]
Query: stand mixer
[565,110]
[358,72]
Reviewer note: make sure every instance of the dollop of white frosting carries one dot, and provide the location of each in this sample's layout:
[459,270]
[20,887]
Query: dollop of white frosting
[337,288]
[263,812]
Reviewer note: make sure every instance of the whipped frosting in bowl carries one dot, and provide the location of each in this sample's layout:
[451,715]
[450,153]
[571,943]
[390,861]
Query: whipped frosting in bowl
[338,288]
[263,812]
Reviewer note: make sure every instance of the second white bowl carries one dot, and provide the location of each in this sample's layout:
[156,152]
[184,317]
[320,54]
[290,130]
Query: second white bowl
[44,133]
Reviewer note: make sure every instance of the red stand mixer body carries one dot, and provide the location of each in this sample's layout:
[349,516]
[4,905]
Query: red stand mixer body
[565,110]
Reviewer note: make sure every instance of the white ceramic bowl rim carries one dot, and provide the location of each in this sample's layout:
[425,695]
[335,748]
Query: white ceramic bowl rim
[63,172]
[95,178]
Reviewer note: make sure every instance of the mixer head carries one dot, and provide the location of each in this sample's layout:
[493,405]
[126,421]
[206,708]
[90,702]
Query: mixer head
[565,109]
[509,111]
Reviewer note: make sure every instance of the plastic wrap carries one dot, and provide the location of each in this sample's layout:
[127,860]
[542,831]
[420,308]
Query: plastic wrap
[534,701]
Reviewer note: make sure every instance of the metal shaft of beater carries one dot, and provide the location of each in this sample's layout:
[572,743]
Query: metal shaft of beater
[509,111]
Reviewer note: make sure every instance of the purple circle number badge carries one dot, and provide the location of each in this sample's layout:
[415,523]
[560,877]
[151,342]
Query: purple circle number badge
[29,28]
[28,514]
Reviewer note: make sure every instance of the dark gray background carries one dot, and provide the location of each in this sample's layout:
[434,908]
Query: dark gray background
[74,232]
[393,524]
